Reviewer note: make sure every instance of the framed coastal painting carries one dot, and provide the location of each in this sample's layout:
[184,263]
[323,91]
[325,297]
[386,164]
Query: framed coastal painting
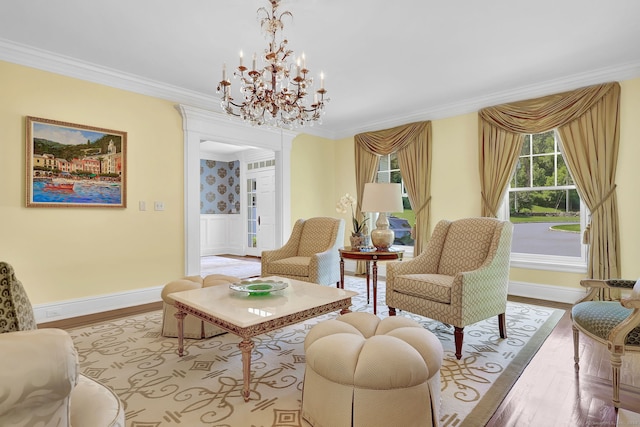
[72,165]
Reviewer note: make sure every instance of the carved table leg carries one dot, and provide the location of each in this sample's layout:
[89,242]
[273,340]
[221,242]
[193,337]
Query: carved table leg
[341,273]
[246,346]
[367,267]
[180,318]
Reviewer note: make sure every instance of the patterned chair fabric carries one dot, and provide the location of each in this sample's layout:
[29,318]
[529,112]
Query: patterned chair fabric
[311,253]
[615,324]
[460,278]
[16,313]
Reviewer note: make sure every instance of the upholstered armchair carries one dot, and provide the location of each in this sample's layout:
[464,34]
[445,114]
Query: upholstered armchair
[40,383]
[460,278]
[310,254]
[615,324]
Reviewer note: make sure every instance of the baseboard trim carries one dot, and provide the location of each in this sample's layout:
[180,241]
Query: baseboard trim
[45,313]
[545,292]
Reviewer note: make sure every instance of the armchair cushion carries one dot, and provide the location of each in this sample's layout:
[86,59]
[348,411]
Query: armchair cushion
[294,266]
[600,317]
[437,286]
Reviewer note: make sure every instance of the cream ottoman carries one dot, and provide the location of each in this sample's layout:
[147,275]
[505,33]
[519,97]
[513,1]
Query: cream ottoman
[364,371]
[193,327]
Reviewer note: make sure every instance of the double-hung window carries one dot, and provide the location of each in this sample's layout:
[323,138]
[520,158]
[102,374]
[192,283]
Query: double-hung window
[543,204]
[399,222]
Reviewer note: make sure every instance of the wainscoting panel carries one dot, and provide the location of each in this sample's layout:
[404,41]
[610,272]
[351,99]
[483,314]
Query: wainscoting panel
[221,234]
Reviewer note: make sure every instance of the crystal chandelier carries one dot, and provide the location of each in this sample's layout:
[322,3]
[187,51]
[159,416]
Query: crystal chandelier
[275,95]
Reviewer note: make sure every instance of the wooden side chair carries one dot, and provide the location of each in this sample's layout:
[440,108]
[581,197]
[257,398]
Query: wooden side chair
[615,324]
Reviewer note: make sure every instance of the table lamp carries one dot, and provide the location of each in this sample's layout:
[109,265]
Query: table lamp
[382,198]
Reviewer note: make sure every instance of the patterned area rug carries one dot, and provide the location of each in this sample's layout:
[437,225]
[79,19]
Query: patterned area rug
[203,388]
[229,266]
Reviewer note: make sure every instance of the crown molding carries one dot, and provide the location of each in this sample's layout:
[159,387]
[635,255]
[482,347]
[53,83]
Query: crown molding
[602,75]
[70,67]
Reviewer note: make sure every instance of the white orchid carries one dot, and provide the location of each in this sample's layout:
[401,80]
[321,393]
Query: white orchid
[348,201]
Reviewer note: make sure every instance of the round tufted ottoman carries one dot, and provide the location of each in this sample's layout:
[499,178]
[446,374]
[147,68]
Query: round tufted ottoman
[193,327]
[364,371]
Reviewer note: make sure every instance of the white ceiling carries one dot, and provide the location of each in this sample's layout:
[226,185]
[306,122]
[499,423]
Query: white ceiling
[386,62]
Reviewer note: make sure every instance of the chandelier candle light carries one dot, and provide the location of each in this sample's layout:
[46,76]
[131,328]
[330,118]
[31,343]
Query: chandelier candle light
[276,94]
[382,198]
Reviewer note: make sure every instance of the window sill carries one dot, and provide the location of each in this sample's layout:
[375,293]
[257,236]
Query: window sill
[548,263]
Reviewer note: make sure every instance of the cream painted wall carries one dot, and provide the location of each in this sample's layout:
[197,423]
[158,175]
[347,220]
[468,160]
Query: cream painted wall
[313,177]
[74,253]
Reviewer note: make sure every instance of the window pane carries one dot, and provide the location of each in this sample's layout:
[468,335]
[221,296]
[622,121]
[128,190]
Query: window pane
[526,146]
[396,177]
[546,222]
[383,177]
[543,171]
[564,177]
[521,176]
[394,161]
[544,142]
[384,163]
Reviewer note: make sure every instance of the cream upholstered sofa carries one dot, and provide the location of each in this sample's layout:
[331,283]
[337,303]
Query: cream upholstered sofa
[40,382]
[311,253]
[460,278]
[363,371]
[192,326]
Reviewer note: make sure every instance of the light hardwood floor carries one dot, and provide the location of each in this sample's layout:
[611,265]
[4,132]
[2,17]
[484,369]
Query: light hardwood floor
[549,393]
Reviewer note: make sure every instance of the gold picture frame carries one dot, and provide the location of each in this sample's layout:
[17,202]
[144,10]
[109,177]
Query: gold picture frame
[73,165]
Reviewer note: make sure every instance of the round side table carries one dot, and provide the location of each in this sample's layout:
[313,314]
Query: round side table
[368,257]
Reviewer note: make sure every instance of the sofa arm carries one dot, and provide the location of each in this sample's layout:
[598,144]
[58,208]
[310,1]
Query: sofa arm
[36,389]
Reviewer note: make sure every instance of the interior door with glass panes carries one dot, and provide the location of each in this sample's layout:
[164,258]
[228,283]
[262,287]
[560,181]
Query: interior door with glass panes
[261,212]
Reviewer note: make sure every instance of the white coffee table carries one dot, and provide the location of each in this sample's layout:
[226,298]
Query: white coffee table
[250,315]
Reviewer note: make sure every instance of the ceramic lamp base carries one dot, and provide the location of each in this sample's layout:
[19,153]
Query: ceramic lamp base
[382,237]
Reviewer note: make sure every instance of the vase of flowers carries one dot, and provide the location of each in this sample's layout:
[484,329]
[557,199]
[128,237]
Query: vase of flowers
[358,235]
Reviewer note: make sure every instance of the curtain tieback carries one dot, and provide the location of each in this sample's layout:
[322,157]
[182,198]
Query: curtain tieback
[415,225]
[487,205]
[586,236]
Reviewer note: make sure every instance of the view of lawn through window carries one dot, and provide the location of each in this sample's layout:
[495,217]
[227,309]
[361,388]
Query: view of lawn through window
[544,204]
[399,222]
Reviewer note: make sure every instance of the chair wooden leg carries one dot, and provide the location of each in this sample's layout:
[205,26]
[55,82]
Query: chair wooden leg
[616,362]
[392,311]
[576,345]
[502,324]
[459,336]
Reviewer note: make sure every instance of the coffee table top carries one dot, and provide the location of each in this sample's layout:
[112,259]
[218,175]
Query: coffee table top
[244,310]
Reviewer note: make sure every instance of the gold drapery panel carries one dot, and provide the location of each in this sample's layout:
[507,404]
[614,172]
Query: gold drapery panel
[588,122]
[412,142]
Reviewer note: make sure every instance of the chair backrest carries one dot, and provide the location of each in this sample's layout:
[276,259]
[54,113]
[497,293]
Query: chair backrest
[468,243]
[318,235]
[16,312]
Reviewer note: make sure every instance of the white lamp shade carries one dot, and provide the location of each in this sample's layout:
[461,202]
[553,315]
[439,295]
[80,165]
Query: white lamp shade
[382,197]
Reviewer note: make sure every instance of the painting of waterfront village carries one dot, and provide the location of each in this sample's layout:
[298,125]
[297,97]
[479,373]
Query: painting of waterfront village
[71,165]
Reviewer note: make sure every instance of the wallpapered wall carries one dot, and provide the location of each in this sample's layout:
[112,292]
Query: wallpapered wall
[219,187]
